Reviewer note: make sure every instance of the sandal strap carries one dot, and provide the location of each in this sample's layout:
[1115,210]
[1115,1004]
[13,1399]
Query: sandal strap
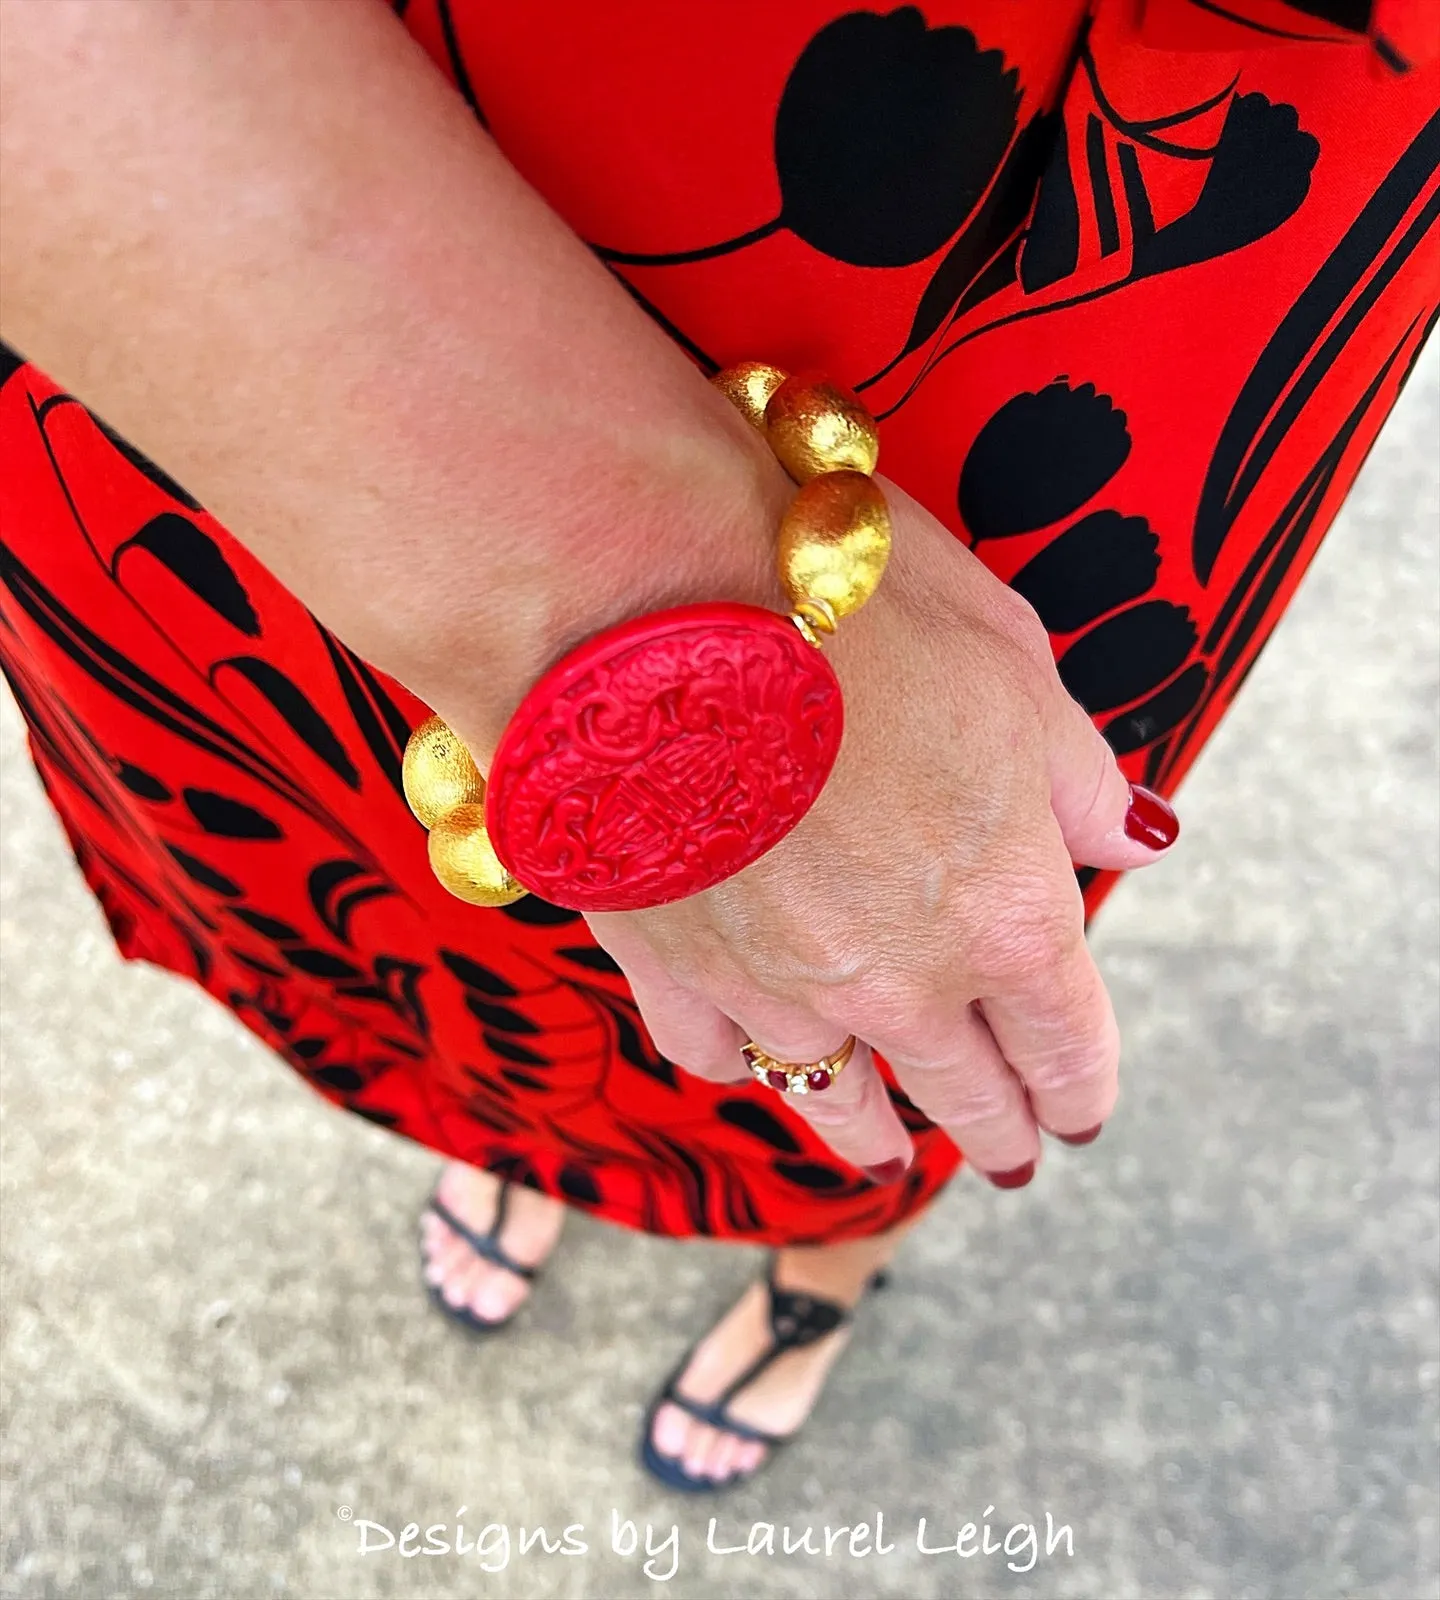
[486,1245]
[714,1414]
[796,1319]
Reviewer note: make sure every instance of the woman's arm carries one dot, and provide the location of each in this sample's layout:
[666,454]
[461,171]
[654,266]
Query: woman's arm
[270,246]
[267,243]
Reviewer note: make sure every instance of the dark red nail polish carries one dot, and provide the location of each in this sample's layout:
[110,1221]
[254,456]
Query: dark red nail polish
[1017,1178]
[1150,821]
[1089,1136]
[887,1171]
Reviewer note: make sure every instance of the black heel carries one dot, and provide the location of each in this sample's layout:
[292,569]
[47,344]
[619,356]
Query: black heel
[488,1247]
[796,1320]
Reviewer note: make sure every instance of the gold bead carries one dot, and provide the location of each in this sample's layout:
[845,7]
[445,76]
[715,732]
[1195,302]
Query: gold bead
[438,773]
[748,387]
[815,426]
[834,542]
[464,860]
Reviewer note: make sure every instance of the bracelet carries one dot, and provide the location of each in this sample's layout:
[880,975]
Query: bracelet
[665,754]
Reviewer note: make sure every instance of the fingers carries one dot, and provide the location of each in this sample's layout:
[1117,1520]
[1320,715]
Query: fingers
[1106,821]
[1059,1034]
[854,1115]
[1047,1010]
[960,1079]
[1035,1050]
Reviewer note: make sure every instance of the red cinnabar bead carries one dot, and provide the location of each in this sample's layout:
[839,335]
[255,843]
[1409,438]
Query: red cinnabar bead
[662,756]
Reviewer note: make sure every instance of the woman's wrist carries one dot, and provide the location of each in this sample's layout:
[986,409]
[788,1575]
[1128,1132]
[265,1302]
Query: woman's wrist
[646,535]
[668,753]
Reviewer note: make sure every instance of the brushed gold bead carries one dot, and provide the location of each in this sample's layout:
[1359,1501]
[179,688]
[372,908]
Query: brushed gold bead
[748,387]
[464,860]
[815,426]
[834,542]
[438,773]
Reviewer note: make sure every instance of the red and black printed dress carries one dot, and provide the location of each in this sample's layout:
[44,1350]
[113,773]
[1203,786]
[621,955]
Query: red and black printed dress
[1132,286]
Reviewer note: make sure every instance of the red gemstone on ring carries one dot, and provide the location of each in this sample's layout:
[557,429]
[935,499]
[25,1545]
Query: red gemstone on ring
[777,1079]
[820,1078]
[662,756]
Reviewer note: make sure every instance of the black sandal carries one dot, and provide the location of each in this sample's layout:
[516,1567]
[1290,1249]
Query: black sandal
[488,1247]
[796,1320]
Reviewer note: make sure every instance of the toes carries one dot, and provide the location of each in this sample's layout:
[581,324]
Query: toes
[435,1257]
[722,1458]
[696,1454]
[472,1285]
[434,1235]
[447,1257]
[497,1294]
[464,1280]
[672,1428]
[703,1452]
[735,1458]
[461,1284]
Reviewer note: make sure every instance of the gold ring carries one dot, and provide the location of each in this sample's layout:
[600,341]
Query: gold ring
[797,1077]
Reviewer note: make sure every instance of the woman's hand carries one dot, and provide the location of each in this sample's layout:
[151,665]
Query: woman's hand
[927,903]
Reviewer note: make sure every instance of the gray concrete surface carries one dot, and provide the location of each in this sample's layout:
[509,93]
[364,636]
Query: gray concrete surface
[1208,1344]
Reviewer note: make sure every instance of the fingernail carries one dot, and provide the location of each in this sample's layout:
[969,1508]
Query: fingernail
[1150,821]
[887,1171]
[1017,1178]
[1089,1136]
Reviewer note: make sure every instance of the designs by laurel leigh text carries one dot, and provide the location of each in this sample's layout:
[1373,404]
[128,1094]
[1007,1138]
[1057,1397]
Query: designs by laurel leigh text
[493,1546]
